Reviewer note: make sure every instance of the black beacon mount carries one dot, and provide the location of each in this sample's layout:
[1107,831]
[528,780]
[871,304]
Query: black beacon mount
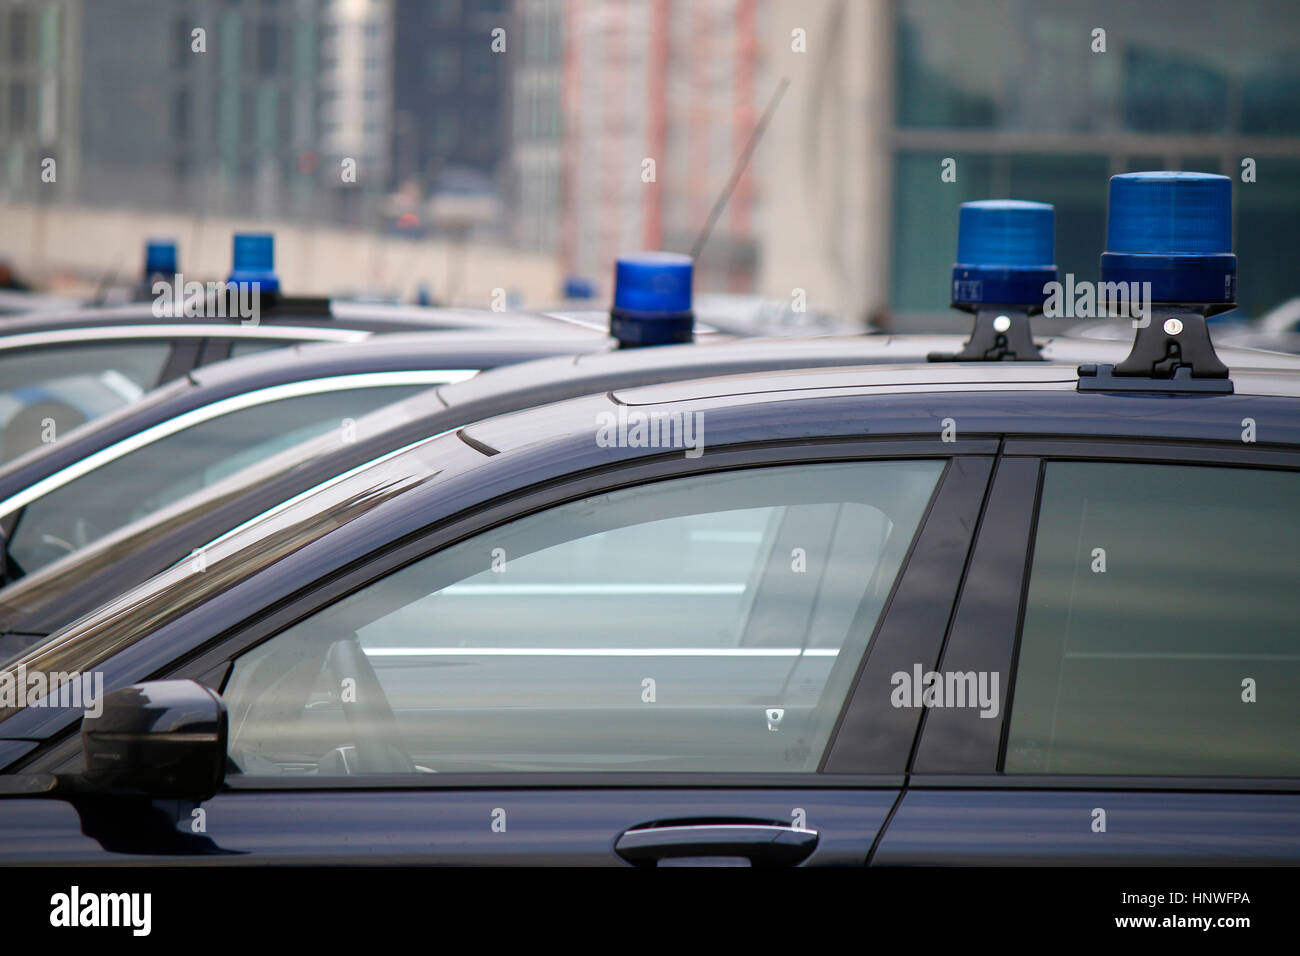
[1000,334]
[1172,352]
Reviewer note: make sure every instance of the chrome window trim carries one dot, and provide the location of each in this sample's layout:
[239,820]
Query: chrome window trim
[93,335]
[226,406]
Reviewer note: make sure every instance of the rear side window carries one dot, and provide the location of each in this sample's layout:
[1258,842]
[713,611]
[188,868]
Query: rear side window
[710,623]
[47,392]
[1162,625]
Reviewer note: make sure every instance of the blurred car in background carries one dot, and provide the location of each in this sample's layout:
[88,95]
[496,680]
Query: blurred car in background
[65,494]
[74,365]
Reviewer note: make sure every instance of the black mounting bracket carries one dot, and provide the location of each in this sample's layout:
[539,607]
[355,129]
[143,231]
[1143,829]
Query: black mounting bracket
[1172,352]
[999,335]
[273,303]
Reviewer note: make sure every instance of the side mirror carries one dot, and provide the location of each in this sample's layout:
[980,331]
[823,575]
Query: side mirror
[164,739]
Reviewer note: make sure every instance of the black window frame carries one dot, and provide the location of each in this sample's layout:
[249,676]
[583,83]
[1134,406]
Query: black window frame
[184,358]
[941,544]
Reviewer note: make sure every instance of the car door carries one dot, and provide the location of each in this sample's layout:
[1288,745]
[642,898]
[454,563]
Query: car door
[1132,608]
[663,671]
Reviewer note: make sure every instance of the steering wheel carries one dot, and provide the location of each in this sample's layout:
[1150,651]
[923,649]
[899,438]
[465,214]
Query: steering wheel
[48,548]
[54,538]
[370,717]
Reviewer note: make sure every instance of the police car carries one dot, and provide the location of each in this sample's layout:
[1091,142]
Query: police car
[953,612]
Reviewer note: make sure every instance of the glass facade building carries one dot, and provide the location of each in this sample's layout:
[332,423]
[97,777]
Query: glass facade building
[1045,101]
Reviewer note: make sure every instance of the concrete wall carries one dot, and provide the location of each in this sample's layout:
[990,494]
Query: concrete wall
[825,166]
[67,244]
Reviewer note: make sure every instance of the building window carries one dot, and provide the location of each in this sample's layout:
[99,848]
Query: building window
[268,47]
[19,109]
[20,44]
[181,113]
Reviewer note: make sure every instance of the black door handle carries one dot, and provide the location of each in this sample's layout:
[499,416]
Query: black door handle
[762,844]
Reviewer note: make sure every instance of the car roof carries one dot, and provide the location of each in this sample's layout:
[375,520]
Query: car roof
[702,360]
[1016,396]
[18,302]
[431,351]
[543,381]
[305,312]
[41,601]
[450,349]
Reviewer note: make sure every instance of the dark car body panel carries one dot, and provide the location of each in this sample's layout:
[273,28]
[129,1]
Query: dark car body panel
[910,787]
[560,827]
[1054,827]
[321,313]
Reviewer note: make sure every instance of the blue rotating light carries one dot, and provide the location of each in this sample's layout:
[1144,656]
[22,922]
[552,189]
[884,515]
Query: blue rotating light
[160,257]
[254,261]
[1005,253]
[1174,230]
[578,287]
[652,299]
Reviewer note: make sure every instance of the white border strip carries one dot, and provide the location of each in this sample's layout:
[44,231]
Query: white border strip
[600,652]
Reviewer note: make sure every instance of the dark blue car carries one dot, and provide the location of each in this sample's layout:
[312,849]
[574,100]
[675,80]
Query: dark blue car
[893,615]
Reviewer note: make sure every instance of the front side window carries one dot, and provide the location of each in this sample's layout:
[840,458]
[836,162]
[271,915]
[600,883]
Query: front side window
[708,623]
[1160,632]
[148,478]
[47,392]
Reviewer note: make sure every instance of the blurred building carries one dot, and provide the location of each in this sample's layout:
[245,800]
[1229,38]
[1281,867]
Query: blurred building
[581,129]
[217,120]
[210,106]
[1029,100]
[826,162]
[40,87]
[536,124]
[355,83]
[1190,84]
[451,96]
[658,99]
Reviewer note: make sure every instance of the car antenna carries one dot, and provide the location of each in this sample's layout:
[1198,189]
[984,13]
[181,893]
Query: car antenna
[107,280]
[741,162]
